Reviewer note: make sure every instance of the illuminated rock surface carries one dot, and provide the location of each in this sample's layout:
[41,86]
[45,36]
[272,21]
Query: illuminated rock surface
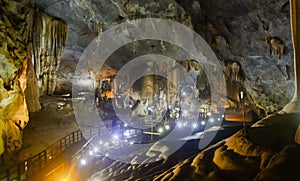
[17,48]
[251,39]
[13,64]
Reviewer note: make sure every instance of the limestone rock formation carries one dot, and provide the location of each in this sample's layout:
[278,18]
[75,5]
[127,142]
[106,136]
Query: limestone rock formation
[235,30]
[32,91]
[238,32]
[13,64]
[46,42]
[29,38]
[256,59]
[251,39]
[87,19]
[259,155]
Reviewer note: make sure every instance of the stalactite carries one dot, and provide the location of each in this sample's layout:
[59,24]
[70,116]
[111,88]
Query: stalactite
[46,42]
[234,79]
[234,71]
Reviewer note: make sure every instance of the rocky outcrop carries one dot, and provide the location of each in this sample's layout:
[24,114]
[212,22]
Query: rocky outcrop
[13,64]
[258,155]
[23,30]
[257,36]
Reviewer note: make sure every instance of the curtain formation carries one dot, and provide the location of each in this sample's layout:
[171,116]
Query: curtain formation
[46,42]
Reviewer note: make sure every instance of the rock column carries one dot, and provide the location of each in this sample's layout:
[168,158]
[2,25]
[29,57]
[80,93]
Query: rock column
[147,85]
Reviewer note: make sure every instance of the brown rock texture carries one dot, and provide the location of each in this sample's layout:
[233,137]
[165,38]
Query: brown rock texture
[32,91]
[13,64]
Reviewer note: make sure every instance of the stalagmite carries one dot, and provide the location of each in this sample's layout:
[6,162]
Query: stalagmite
[294,105]
[234,80]
[31,91]
[147,85]
[46,42]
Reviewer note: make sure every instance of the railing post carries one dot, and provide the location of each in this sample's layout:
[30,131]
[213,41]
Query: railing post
[40,162]
[45,156]
[19,171]
[65,145]
[73,135]
[60,144]
[8,174]
[77,136]
[2,159]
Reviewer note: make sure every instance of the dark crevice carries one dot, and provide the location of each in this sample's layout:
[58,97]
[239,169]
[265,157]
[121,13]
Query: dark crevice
[18,125]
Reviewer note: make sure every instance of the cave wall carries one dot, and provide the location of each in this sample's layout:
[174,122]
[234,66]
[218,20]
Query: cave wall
[257,36]
[13,64]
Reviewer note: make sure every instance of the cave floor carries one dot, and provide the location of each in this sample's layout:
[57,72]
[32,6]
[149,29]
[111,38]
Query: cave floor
[53,122]
[56,120]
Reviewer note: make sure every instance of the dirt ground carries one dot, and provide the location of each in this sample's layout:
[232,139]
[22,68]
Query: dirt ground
[54,121]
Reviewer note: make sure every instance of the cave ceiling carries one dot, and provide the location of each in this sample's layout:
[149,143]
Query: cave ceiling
[88,18]
[242,32]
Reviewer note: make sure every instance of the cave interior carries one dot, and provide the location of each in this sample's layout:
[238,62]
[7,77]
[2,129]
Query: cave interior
[169,89]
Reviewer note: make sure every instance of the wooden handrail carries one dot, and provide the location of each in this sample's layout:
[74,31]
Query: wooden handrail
[34,164]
